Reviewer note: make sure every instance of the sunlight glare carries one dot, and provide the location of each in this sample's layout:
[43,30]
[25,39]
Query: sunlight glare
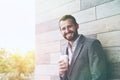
[17,24]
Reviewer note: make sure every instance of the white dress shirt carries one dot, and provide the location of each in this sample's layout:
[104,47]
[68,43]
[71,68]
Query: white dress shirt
[72,49]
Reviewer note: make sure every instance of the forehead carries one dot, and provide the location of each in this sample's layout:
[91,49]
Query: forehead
[66,22]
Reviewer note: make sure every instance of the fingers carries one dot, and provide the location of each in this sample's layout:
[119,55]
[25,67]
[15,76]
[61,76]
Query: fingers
[62,67]
[62,71]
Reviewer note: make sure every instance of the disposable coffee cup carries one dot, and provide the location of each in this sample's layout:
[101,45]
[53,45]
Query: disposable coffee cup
[64,58]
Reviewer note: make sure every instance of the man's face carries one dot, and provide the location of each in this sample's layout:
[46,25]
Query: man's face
[68,29]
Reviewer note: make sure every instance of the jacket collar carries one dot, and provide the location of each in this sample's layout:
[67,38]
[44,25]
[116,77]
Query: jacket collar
[76,52]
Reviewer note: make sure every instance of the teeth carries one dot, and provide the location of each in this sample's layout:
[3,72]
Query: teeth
[69,34]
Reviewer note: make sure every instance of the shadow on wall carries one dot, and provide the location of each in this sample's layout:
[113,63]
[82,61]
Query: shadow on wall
[112,67]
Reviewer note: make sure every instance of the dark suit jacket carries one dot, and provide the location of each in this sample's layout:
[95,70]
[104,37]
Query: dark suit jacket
[88,62]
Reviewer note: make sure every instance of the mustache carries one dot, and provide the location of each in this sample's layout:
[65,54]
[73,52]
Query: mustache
[69,32]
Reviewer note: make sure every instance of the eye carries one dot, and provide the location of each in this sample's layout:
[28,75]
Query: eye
[63,28]
[70,26]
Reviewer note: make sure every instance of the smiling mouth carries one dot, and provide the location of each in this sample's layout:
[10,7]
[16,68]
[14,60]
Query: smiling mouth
[69,34]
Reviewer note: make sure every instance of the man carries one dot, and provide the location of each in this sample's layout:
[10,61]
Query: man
[86,56]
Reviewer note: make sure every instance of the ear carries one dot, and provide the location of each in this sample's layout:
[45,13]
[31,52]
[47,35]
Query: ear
[77,25]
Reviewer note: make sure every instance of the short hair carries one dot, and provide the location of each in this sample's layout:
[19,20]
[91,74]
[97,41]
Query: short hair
[65,17]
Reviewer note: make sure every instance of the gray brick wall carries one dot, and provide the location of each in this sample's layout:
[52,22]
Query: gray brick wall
[98,18]
[86,4]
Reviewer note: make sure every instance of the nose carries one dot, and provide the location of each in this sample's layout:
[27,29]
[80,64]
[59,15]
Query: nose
[67,30]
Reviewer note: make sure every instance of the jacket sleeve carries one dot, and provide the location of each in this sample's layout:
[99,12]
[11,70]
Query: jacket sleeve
[63,77]
[97,61]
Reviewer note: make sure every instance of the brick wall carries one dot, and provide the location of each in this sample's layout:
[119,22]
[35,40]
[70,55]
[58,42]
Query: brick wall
[99,18]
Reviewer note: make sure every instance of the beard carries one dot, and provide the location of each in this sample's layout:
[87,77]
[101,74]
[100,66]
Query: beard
[71,35]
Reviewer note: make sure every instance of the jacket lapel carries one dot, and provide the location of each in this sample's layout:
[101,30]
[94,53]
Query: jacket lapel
[76,53]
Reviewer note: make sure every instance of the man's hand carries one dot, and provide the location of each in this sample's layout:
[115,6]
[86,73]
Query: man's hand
[63,66]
